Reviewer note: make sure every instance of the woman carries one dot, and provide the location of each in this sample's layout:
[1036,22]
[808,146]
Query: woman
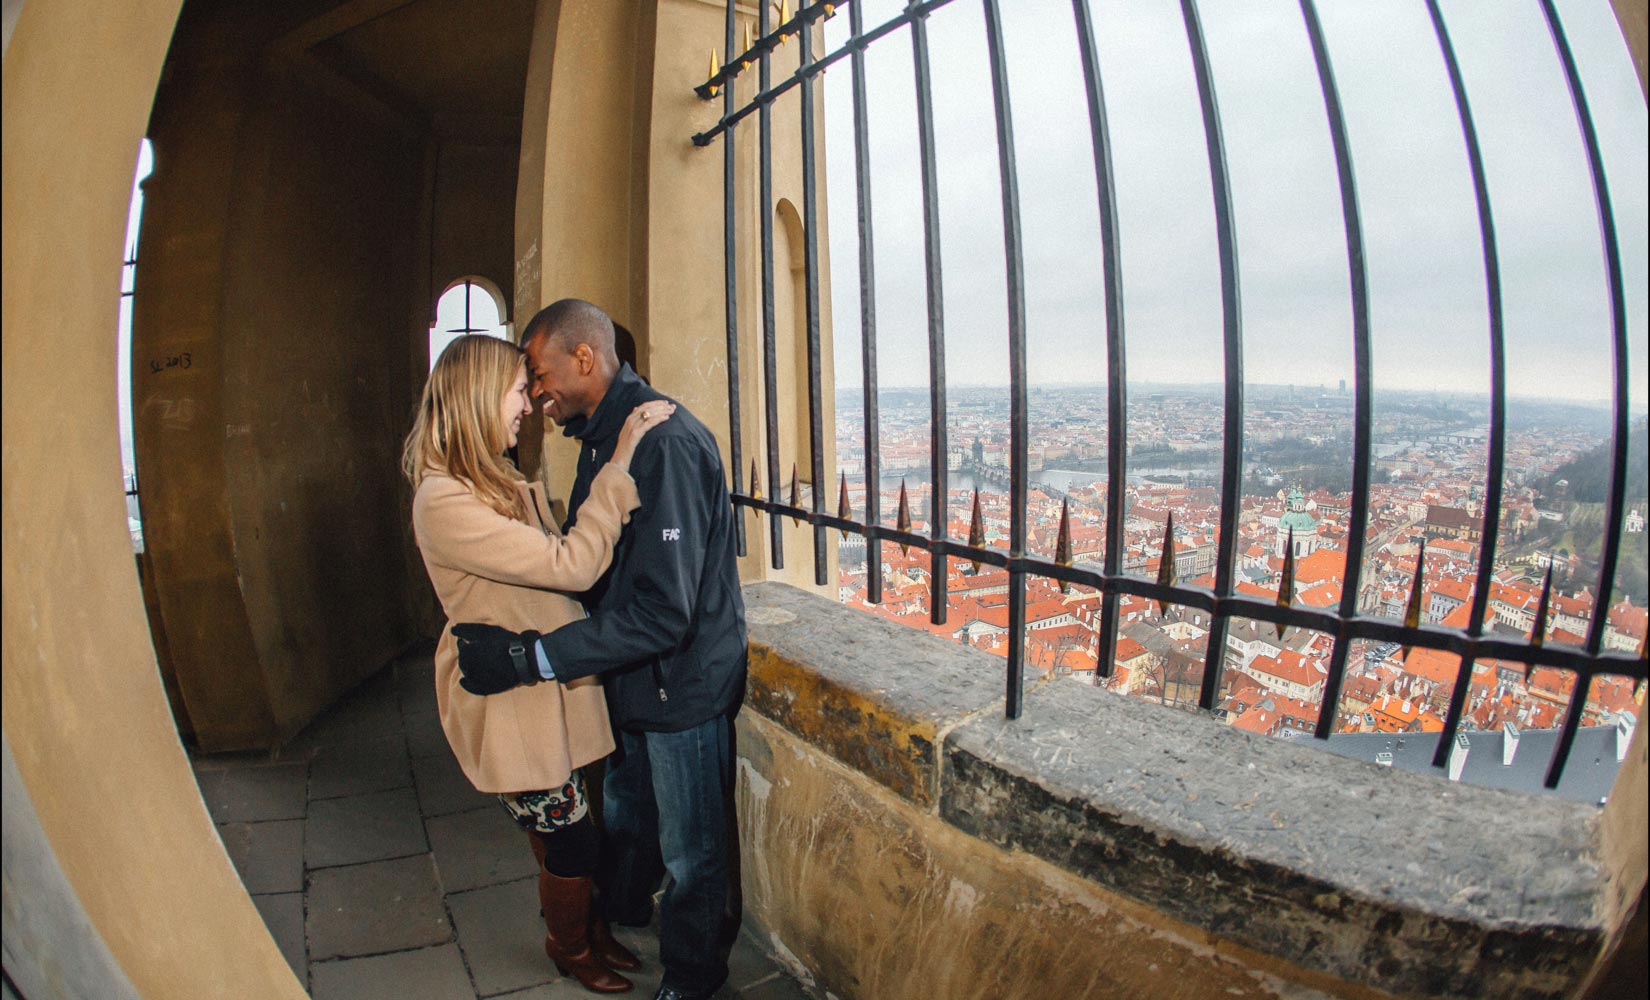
[494,554]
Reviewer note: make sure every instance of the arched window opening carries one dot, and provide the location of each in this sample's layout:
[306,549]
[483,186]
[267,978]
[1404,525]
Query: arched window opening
[128,284]
[468,305]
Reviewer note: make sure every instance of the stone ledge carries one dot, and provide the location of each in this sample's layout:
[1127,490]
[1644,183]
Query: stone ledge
[1398,880]
[1392,880]
[871,693]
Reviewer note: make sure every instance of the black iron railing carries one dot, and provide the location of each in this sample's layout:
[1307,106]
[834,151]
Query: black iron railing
[1222,602]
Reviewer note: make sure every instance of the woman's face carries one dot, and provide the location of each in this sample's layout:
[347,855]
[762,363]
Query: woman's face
[515,406]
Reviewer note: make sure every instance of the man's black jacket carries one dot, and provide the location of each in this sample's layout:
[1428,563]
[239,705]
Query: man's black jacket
[667,622]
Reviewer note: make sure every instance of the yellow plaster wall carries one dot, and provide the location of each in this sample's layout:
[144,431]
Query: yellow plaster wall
[286,253]
[1634,18]
[1624,822]
[589,180]
[83,707]
[886,902]
[687,260]
[631,219]
[1623,827]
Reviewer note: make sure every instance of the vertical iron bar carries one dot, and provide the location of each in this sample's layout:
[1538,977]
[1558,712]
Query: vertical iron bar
[936,318]
[1018,429]
[1618,432]
[770,364]
[1498,389]
[1231,315]
[867,311]
[1116,379]
[810,296]
[730,297]
[1359,280]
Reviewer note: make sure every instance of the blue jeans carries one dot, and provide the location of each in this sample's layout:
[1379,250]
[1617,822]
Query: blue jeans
[664,810]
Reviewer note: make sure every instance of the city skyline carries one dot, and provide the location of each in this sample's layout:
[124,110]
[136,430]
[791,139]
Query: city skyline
[1425,505]
[1635,408]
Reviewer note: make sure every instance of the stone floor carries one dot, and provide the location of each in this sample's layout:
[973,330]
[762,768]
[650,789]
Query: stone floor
[382,873]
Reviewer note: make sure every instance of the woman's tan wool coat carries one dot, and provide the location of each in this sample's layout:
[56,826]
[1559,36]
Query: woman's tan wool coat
[493,569]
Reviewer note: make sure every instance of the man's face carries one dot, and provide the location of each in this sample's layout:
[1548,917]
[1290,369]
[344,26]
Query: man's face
[558,379]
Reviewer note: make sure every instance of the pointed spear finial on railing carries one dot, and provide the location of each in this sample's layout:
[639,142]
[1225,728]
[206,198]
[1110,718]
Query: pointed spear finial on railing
[1538,628]
[715,68]
[1062,545]
[1412,613]
[830,10]
[976,529]
[1286,582]
[784,15]
[903,522]
[744,60]
[843,510]
[756,488]
[796,494]
[1165,563]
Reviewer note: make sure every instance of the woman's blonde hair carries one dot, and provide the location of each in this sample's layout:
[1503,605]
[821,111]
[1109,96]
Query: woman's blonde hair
[459,430]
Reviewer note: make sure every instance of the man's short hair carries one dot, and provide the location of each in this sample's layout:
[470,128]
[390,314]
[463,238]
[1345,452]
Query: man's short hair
[567,323]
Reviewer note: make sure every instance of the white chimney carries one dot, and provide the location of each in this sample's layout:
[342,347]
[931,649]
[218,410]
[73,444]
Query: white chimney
[1624,736]
[1509,743]
[1458,756]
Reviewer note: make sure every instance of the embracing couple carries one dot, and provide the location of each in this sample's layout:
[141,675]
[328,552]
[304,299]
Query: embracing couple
[617,636]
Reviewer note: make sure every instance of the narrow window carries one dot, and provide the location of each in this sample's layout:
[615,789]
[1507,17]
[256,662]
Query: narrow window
[128,283]
[469,305]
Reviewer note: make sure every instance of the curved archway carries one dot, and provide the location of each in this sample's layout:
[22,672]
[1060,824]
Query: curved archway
[83,703]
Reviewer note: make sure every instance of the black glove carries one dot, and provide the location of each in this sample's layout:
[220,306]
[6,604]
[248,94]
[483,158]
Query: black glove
[493,659]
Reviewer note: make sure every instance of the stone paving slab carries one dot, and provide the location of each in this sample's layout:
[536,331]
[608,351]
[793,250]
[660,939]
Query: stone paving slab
[372,712]
[355,769]
[748,966]
[269,856]
[360,828]
[424,736]
[502,935]
[777,987]
[443,788]
[252,793]
[283,914]
[425,974]
[479,848]
[229,759]
[415,687]
[373,908]
[372,920]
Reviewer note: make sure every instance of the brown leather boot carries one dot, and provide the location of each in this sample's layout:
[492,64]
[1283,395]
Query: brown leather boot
[607,947]
[602,941]
[566,904]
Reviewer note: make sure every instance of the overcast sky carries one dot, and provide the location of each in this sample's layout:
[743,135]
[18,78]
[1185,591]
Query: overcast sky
[1428,313]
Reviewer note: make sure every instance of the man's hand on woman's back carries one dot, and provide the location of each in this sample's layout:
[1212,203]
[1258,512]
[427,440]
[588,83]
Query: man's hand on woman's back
[493,659]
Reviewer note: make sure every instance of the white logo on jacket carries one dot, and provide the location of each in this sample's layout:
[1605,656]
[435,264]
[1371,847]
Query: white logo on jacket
[672,534]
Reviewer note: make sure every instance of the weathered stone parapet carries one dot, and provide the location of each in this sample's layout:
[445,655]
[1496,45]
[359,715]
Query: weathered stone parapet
[1374,874]
[860,689]
[1328,873]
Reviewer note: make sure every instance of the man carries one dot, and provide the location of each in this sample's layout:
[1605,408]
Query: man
[667,633]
